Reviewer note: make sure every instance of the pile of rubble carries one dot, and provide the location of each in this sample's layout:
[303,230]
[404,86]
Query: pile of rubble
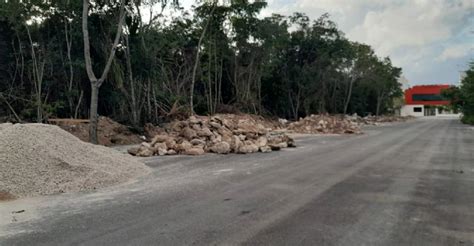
[324,124]
[109,132]
[377,120]
[222,134]
[386,119]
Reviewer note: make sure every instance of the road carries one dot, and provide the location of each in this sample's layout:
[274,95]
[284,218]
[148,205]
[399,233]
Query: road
[404,184]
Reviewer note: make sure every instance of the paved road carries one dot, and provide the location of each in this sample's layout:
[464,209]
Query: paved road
[405,184]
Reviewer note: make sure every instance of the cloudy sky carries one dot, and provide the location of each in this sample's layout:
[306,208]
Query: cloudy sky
[432,40]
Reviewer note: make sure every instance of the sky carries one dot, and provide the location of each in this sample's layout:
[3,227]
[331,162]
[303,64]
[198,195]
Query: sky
[431,40]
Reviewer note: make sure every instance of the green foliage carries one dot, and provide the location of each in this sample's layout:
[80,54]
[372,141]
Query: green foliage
[462,98]
[287,66]
[453,94]
[468,119]
[467,95]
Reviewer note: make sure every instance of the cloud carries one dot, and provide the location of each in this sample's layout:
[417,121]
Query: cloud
[411,24]
[427,38]
[416,34]
[456,51]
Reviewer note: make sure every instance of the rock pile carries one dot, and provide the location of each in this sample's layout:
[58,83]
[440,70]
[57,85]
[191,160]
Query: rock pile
[324,124]
[386,119]
[377,120]
[220,134]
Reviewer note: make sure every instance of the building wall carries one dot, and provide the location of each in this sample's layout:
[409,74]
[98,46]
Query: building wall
[409,110]
[425,90]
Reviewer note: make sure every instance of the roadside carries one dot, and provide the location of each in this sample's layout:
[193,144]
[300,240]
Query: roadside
[332,184]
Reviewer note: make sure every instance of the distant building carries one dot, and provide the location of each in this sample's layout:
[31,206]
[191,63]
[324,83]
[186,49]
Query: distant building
[426,100]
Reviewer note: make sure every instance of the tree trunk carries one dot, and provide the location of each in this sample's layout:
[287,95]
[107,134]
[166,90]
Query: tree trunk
[133,101]
[94,117]
[196,61]
[68,32]
[379,103]
[78,105]
[349,94]
[37,78]
[96,83]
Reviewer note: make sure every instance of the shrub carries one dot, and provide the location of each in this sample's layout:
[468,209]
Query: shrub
[468,119]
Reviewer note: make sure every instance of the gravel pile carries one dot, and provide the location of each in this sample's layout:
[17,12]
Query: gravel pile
[38,159]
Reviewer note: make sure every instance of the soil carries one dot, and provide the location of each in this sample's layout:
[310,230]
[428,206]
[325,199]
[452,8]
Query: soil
[110,133]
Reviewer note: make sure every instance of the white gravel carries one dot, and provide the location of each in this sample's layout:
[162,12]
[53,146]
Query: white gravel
[38,159]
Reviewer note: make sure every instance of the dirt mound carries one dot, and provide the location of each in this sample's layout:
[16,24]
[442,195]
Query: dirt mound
[38,159]
[222,134]
[324,124]
[109,132]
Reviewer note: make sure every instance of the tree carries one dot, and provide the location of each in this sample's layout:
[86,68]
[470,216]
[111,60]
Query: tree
[467,95]
[198,52]
[97,82]
[219,57]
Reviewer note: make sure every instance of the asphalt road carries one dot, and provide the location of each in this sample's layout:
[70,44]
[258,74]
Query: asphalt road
[404,184]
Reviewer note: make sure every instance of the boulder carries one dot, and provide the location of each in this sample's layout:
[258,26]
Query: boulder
[133,150]
[220,148]
[162,151]
[248,148]
[196,127]
[198,141]
[160,146]
[215,125]
[159,139]
[193,120]
[171,152]
[144,152]
[194,151]
[183,146]
[265,149]
[188,133]
[236,144]
[261,141]
[204,132]
[170,143]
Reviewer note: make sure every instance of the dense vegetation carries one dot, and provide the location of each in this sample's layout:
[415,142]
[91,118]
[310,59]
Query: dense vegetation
[462,98]
[218,58]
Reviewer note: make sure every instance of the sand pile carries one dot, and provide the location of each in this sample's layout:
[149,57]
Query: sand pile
[222,134]
[38,159]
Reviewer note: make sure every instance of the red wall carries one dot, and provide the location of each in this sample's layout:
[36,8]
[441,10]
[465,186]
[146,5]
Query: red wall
[425,89]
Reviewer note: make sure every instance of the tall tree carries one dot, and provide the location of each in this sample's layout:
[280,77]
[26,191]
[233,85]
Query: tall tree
[96,83]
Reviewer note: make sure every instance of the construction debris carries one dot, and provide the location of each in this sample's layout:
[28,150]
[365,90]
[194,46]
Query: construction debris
[222,134]
[377,120]
[324,124]
[39,159]
[109,132]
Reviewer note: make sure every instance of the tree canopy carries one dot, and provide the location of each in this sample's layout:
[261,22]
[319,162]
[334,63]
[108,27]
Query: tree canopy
[219,57]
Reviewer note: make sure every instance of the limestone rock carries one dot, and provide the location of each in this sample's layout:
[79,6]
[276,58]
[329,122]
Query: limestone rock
[221,148]
[265,149]
[194,151]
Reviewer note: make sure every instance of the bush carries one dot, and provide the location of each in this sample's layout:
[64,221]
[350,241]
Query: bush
[468,119]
